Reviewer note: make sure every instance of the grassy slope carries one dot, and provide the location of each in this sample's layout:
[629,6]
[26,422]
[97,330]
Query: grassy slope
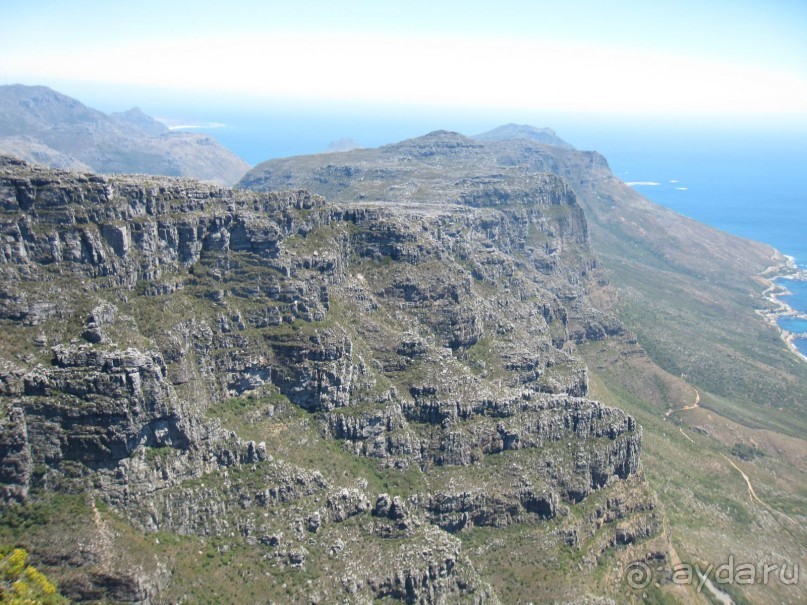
[693,314]
[705,499]
[690,292]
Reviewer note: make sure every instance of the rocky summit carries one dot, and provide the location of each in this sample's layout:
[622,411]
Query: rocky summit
[216,395]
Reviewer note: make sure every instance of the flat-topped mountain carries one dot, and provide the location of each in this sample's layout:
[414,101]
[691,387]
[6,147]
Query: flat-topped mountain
[626,229]
[43,126]
[457,371]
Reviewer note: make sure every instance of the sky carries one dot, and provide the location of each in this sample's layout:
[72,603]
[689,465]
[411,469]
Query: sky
[711,94]
[736,58]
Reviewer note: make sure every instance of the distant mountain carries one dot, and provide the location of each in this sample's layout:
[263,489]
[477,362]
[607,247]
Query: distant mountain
[343,144]
[28,148]
[510,132]
[140,122]
[40,125]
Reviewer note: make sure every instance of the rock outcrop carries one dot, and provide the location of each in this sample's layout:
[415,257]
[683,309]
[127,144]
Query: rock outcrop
[344,388]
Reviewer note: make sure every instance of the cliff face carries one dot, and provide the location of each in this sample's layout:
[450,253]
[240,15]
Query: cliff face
[657,262]
[42,126]
[501,165]
[341,388]
[687,292]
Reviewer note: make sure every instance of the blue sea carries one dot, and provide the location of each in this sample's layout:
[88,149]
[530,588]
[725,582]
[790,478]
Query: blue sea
[750,179]
[758,192]
[799,302]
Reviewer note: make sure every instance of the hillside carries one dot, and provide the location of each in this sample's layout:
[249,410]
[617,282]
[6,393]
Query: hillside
[221,395]
[446,370]
[687,297]
[42,126]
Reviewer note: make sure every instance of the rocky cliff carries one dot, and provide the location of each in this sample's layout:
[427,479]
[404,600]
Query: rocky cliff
[501,164]
[688,294]
[42,126]
[327,401]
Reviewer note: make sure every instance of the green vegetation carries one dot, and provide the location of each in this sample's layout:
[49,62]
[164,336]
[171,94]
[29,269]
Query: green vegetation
[746,452]
[157,453]
[482,359]
[45,511]
[23,584]
[246,415]
[704,499]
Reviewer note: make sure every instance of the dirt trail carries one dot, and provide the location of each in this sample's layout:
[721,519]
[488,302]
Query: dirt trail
[687,407]
[751,491]
[752,494]
[754,498]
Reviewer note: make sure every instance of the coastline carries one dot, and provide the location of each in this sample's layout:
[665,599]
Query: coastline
[785,268]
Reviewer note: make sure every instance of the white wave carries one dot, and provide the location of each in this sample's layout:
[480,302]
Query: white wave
[673,181]
[682,188]
[202,125]
[642,184]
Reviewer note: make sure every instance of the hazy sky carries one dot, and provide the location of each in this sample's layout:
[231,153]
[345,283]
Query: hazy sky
[730,57]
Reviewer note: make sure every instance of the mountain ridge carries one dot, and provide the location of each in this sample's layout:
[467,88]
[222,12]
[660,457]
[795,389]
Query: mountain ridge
[433,384]
[338,395]
[69,134]
[687,297]
[511,131]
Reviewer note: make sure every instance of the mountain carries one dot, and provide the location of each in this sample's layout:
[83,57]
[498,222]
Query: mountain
[351,401]
[343,144]
[441,371]
[696,361]
[140,123]
[43,126]
[509,132]
[28,148]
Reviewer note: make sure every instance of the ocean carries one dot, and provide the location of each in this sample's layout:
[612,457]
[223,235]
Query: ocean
[750,181]
[760,194]
[798,300]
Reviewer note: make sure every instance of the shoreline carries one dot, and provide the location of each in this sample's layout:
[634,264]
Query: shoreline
[785,269]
